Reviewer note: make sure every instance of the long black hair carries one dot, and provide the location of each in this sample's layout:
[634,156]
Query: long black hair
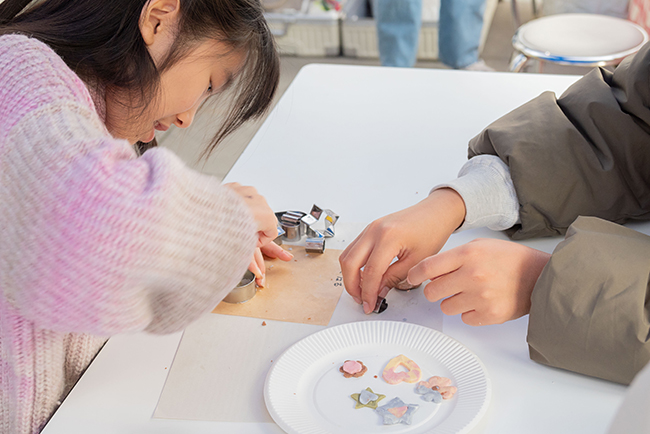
[100,41]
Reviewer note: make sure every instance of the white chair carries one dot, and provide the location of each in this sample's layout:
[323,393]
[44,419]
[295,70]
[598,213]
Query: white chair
[576,39]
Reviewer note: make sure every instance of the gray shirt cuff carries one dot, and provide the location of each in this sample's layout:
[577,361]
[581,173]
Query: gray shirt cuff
[486,187]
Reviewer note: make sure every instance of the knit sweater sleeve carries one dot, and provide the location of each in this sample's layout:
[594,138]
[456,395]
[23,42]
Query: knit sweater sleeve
[95,239]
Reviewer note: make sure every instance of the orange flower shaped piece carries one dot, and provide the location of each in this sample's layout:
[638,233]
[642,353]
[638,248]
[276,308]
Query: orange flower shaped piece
[441,384]
[411,375]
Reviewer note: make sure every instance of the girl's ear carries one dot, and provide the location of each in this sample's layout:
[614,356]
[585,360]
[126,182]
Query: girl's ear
[158,22]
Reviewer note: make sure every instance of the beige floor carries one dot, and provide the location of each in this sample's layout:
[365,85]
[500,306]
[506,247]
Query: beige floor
[189,143]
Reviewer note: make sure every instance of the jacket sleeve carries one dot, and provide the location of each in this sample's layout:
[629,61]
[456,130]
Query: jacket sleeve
[590,309]
[586,153]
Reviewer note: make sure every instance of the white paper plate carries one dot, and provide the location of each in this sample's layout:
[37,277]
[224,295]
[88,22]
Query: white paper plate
[306,394]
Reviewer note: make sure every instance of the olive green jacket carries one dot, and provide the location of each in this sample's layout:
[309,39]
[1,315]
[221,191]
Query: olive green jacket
[586,153]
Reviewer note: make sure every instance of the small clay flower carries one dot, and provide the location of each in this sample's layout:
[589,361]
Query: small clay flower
[353,368]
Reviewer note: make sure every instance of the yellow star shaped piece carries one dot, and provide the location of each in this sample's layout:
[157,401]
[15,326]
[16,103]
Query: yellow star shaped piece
[370,397]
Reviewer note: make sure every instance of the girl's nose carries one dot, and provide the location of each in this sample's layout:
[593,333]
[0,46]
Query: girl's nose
[184,120]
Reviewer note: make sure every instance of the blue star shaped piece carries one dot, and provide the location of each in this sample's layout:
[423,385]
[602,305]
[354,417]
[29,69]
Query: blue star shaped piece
[397,411]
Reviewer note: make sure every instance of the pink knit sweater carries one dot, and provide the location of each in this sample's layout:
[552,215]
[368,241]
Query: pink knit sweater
[94,241]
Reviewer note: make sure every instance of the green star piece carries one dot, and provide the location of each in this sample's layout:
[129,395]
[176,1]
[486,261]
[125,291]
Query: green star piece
[371,398]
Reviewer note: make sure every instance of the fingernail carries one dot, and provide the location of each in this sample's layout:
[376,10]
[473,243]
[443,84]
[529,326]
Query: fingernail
[384,291]
[263,280]
[366,307]
[357,300]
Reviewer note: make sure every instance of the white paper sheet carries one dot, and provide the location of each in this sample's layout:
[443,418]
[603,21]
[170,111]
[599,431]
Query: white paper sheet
[219,370]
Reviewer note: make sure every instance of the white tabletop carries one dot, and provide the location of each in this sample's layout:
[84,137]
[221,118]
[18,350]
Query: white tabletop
[364,141]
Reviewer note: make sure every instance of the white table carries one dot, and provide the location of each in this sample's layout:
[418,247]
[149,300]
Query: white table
[364,141]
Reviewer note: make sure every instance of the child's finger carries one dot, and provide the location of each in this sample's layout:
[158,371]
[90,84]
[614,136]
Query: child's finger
[474,318]
[272,250]
[443,287]
[254,268]
[457,304]
[435,266]
[260,278]
[259,259]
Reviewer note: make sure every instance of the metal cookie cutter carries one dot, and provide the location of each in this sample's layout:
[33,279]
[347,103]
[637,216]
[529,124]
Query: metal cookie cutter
[244,291]
[291,223]
[381,305]
[315,245]
[326,229]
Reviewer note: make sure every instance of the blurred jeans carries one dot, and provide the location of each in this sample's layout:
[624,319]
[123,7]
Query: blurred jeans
[398,28]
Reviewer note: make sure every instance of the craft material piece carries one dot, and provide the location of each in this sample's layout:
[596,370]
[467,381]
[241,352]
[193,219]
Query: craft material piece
[404,285]
[439,384]
[304,290]
[353,368]
[421,389]
[413,373]
[381,305]
[315,245]
[244,291]
[397,411]
[434,397]
[448,392]
[367,398]
[428,395]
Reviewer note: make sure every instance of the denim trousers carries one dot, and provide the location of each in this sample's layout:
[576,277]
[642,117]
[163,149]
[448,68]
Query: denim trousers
[398,28]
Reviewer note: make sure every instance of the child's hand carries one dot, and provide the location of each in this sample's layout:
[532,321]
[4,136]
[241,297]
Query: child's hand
[410,235]
[257,265]
[267,224]
[487,281]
